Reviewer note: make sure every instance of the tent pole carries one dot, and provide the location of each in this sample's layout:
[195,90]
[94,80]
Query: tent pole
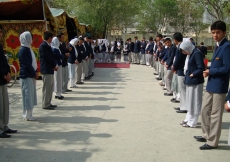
[44,14]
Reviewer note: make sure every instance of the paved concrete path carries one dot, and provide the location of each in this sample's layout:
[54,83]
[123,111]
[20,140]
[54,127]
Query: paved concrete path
[118,116]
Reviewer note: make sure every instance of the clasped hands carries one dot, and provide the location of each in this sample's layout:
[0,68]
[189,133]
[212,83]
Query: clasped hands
[206,73]
[7,77]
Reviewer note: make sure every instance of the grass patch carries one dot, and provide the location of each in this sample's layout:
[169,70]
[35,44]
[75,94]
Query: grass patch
[209,56]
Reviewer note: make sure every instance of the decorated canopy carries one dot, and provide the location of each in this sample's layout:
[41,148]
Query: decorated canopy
[21,10]
[64,23]
[18,16]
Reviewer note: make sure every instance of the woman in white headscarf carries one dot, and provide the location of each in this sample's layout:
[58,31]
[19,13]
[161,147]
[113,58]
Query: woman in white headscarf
[57,74]
[28,76]
[125,54]
[106,59]
[101,51]
[72,61]
[112,52]
[193,69]
[118,52]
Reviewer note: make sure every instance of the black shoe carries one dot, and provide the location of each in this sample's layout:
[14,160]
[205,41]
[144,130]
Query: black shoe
[197,137]
[172,99]
[53,105]
[11,131]
[158,78]
[87,78]
[59,97]
[49,108]
[91,75]
[175,101]
[181,111]
[201,139]
[4,135]
[68,90]
[207,147]
[176,108]
[155,74]
[168,94]
[79,82]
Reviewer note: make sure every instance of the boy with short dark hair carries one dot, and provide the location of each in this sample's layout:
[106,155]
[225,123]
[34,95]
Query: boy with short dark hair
[216,89]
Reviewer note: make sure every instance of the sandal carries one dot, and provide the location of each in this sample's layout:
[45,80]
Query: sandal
[187,126]
[183,122]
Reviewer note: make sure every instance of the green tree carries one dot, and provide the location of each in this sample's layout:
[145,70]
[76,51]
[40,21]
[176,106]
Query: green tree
[215,8]
[197,23]
[156,14]
[101,14]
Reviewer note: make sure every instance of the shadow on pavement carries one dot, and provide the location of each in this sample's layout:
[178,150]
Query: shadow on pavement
[86,108]
[68,136]
[93,93]
[74,119]
[41,155]
[89,98]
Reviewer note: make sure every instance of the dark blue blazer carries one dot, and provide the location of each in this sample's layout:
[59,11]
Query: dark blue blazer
[103,48]
[4,67]
[72,56]
[143,44]
[63,50]
[218,80]
[25,60]
[166,54]
[89,49]
[178,64]
[81,53]
[117,51]
[58,56]
[155,48]
[137,46]
[228,96]
[150,47]
[195,67]
[131,49]
[162,53]
[47,59]
[170,57]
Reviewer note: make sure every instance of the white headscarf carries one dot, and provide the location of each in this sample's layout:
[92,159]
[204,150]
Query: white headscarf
[188,47]
[26,41]
[55,43]
[112,47]
[107,45]
[73,43]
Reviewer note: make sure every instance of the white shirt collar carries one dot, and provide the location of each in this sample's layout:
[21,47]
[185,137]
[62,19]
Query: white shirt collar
[218,43]
[178,44]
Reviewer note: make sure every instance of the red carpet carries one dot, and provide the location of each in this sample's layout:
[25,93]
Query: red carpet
[111,65]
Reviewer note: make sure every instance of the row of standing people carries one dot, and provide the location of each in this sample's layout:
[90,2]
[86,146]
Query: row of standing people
[58,63]
[181,70]
[108,53]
